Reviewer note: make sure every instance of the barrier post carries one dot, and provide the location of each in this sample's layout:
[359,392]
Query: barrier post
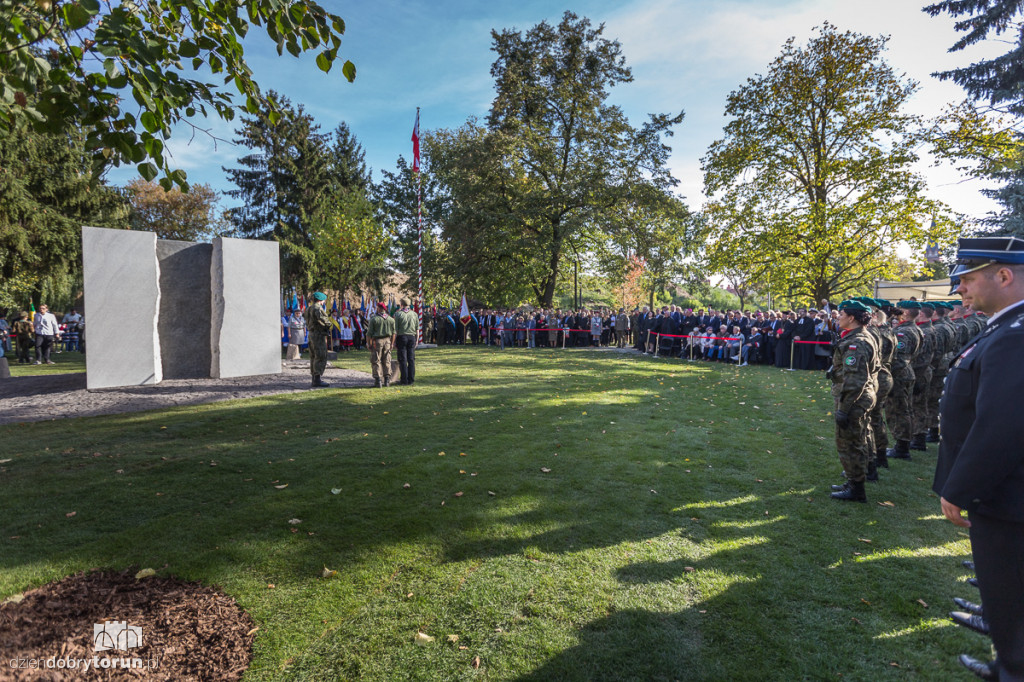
[657,344]
[647,343]
[792,345]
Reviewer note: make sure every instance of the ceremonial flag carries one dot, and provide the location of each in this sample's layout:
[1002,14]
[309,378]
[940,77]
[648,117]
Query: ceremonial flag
[416,144]
[302,302]
[334,306]
[464,313]
[362,304]
[32,312]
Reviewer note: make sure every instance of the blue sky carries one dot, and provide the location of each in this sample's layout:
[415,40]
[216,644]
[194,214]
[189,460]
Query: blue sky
[685,55]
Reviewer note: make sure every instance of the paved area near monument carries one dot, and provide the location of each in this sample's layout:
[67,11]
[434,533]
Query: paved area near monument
[40,398]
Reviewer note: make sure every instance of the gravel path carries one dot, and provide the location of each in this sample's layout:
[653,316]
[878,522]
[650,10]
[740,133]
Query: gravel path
[40,398]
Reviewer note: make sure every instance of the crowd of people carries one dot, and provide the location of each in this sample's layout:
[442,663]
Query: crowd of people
[35,336]
[799,338]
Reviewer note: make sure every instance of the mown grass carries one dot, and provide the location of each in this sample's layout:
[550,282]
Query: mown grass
[684,529]
[64,363]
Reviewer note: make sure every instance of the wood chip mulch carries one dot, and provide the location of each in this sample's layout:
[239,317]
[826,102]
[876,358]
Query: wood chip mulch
[189,632]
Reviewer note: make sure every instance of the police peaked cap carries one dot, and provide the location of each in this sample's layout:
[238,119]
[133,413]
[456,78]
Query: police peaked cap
[974,254]
[852,306]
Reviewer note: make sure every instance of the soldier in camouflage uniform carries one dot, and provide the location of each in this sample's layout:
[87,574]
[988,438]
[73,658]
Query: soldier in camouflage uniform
[945,344]
[886,340]
[922,373]
[899,411]
[318,323]
[854,375]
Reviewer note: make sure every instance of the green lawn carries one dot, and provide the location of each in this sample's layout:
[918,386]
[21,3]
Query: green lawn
[683,530]
[71,361]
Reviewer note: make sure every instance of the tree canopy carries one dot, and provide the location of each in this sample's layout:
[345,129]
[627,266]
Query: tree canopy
[535,180]
[79,63]
[812,184]
[172,214]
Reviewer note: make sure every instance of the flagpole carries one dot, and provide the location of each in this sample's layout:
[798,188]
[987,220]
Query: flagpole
[419,230]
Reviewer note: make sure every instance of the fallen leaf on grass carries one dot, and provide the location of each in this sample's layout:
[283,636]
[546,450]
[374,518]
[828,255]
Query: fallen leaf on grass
[865,601]
[14,599]
[476,659]
[252,632]
[441,454]
[281,487]
[335,491]
[886,504]
[70,514]
[689,569]
[491,493]
[545,470]
[452,638]
[328,573]
[145,573]
[423,639]
[4,461]
[865,540]
[458,494]
[270,586]
[294,521]
[406,486]
[922,603]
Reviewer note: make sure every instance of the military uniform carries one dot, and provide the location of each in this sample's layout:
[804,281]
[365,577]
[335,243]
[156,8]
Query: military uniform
[855,364]
[886,340]
[980,466]
[922,365]
[945,344]
[25,333]
[318,324]
[381,330]
[899,410]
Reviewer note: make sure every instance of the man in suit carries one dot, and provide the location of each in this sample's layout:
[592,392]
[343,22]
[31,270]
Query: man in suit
[803,330]
[980,467]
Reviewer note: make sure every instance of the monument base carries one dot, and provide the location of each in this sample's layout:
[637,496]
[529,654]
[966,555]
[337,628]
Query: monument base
[5,370]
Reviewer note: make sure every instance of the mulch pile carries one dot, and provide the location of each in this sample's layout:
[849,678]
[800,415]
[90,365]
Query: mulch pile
[189,632]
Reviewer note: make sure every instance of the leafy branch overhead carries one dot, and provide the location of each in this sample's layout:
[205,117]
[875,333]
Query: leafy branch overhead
[127,72]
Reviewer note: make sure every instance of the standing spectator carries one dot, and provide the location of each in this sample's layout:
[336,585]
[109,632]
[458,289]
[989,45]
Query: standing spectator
[5,335]
[71,322]
[621,328]
[296,335]
[46,331]
[24,333]
[406,326]
[595,328]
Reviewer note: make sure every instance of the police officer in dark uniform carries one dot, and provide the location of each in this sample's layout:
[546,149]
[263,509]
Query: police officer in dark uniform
[980,467]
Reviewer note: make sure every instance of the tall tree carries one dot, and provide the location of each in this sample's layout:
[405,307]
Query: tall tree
[348,161]
[814,173]
[172,214]
[78,60]
[995,144]
[552,156]
[285,185]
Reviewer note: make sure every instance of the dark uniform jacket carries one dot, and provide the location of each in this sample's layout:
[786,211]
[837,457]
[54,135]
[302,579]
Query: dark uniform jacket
[981,456]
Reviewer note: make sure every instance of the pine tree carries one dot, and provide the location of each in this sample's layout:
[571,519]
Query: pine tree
[284,184]
[1000,83]
[348,160]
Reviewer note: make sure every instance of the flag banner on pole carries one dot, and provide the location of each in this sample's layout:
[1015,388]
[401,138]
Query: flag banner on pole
[464,313]
[416,144]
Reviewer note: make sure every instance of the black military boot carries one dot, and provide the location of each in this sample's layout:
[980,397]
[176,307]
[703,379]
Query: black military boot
[918,442]
[872,472]
[901,451]
[316,381]
[933,435]
[376,383]
[840,487]
[881,458]
[855,493]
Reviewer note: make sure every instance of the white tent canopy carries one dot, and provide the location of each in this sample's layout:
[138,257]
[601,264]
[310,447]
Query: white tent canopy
[934,290]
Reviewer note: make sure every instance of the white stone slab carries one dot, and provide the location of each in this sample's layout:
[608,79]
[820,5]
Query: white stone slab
[122,303]
[245,283]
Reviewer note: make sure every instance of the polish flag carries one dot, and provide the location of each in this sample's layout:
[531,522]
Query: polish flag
[416,144]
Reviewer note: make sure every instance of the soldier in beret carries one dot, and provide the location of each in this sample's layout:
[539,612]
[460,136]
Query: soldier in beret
[980,467]
[923,363]
[318,323]
[854,372]
[899,408]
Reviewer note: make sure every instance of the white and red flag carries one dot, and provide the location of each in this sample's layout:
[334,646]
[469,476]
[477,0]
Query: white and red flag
[464,313]
[416,144]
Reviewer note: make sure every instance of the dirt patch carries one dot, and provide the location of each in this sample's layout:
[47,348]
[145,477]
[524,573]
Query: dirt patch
[60,396]
[187,631]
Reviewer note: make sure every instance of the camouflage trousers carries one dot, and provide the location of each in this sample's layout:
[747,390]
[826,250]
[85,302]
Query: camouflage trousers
[380,359]
[920,399]
[879,435]
[853,442]
[935,395]
[317,353]
[899,410]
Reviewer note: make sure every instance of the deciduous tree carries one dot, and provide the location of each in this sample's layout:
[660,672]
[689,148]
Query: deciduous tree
[172,214]
[813,177]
